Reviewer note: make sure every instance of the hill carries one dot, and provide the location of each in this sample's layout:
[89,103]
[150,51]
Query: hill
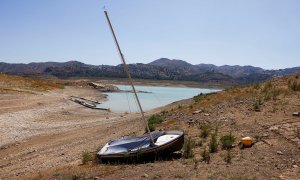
[161,69]
[9,84]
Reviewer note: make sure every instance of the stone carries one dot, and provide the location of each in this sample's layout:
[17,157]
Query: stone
[145,175]
[273,128]
[197,112]
[279,152]
[96,177]
[295,166]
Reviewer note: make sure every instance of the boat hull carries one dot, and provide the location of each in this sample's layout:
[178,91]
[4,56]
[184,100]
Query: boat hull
[149,153]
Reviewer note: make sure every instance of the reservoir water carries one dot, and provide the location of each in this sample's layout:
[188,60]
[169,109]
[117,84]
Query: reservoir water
[157,96]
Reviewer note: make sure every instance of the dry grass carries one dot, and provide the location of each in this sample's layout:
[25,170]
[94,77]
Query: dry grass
[9,83]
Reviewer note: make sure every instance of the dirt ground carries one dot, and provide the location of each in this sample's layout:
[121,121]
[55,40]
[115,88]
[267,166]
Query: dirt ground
[51,134]
[41,130]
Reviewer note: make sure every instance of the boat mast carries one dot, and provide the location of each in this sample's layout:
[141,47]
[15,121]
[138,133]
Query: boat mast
[128,74]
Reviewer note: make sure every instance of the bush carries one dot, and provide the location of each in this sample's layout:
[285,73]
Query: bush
[153,120]
[213,145]
[205,130]
[151,128]
[199,97]
[256,105]
[293,85]
[87,156]
[188,148]
[227,141]
[205,156]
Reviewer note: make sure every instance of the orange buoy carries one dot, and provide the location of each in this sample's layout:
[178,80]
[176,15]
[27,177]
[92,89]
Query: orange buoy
[247,141]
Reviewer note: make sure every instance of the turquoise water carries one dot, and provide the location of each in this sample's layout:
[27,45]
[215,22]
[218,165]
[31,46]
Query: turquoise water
[159,96]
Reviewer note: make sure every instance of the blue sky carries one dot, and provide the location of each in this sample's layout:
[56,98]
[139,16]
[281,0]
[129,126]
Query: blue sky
[264,33]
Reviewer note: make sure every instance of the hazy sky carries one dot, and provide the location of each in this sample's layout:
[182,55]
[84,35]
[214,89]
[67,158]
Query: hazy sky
[264,33]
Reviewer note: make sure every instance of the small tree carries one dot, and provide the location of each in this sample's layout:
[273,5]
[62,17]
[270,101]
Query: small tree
[205,130]
[205,156]
[188,148]
[213,145]
[227,141]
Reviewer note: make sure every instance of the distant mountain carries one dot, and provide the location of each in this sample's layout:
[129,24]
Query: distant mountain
[160,69]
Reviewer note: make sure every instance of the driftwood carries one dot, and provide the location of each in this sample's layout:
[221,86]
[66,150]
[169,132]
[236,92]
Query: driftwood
[93,101]
[82,101]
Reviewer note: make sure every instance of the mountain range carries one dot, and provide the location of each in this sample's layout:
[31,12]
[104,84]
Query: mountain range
[160,69]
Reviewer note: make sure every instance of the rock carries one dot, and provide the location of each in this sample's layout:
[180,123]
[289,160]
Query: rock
[191,121]
[296,114]
[145,175]
[206,114]
[295,166]
[197,112]
[96,177]
[273,128]
[265,135]
[279,152]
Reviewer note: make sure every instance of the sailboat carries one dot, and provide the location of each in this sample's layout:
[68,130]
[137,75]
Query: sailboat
[148,146]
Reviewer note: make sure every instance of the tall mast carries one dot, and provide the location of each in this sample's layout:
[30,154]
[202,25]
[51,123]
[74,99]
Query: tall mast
[128,74]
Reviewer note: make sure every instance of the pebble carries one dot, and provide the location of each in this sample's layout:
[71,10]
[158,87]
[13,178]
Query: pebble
[274,128]
[197,112]
[96,177]
[295,166]
[145,175]
[280,152]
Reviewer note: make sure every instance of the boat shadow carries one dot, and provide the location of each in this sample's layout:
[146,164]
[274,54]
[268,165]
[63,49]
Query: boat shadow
[143,159]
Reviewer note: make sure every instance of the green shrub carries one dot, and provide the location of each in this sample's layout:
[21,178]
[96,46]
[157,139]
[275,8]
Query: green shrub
[199,97]
[227,141]
[87,156]
[293,85]
[213,145]
[151,128]
[205,156]
[205,130]
[256,105]
[153,120]
[188,148]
